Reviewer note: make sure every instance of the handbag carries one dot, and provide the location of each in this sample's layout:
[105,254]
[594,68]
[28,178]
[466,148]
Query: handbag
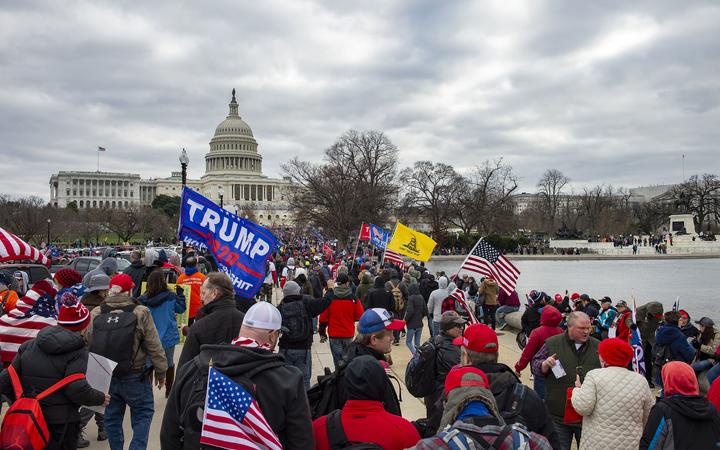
[571,416]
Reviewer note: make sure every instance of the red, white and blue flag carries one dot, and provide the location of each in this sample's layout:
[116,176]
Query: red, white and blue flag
[459,296]
[638,360]
[233,419]
[12,248]
[394,258]
[486,260]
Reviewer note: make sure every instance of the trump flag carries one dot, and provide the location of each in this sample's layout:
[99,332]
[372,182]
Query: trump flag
[379,237]
[239,246]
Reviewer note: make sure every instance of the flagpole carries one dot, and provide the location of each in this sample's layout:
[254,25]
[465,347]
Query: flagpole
[356,248]
[98,162]
[468,256]
[382,260]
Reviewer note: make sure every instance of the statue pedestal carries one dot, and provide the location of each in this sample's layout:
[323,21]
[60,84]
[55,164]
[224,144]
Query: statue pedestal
[682,222]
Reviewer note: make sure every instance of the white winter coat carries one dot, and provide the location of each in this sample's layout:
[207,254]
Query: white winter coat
[615,404]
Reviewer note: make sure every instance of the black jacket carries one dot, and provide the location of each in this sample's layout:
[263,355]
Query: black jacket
[447,356]
[427,285]
[45,360]
[416,308]
[693,422]
[278,390]
[379,297]
[502,383]
[313,307]
[136,271]
[531,318]
[220,325]
[391,401]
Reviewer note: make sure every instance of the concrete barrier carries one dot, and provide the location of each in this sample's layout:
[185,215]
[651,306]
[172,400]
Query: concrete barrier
[513,320]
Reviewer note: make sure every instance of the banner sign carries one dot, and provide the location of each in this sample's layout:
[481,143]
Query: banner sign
[379,237]
[239,246]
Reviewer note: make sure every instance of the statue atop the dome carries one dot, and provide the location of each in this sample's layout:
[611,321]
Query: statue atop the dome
[233,95]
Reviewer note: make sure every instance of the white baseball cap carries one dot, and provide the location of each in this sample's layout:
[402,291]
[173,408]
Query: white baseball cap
[263,315]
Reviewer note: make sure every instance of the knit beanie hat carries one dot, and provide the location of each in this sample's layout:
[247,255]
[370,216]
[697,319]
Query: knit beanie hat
[291,288]
[73,315]
[679,378]
[615,352]
[68,277]
[123,282]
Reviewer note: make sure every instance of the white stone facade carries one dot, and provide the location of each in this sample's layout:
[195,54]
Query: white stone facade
[233,166]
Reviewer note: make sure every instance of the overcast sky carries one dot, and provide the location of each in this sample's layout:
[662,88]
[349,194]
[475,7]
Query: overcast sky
[605,91]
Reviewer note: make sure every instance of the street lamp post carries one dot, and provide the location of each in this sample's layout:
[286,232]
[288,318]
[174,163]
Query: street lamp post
[220,194]
[184,160]
[48,236]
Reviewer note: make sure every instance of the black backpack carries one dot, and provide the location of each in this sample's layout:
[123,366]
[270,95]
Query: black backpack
[113,337]
[511,411]
[297,320]
[323,397]
[420,371]
[337,439]
[662,354]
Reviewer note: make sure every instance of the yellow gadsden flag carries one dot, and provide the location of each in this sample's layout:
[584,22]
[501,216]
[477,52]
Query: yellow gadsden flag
[411,243]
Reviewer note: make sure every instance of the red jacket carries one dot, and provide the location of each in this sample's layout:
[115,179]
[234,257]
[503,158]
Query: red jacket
[623,332]
[714,393]
[550,318]
[367,421]
[340,316]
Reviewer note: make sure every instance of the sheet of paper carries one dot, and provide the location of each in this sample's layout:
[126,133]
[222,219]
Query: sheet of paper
[612,332]
[558,369]
[99,375]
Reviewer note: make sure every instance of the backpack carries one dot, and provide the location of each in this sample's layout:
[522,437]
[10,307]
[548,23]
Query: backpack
[337,439]
[323,397]
[290,275]
[24,426]
[662,354]
[462,436]
[113,337]
[511,410]
[296,319]
[397,297]
[420,371]
[521,340]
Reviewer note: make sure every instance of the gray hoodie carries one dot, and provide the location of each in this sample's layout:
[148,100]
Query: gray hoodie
[436,298]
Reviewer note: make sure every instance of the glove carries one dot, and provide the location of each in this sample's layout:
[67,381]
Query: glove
[179,290]
[323,339]
[695,344]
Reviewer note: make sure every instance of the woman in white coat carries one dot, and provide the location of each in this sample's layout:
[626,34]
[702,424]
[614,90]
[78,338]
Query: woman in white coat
[615,402]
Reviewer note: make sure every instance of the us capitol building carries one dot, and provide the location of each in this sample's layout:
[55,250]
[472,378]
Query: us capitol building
[233,169]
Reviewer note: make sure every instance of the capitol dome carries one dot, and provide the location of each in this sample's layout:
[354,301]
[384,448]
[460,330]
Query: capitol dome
[233,149]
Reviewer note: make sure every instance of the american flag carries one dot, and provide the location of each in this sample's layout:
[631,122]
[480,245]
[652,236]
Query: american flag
[394,258]
[485,260]
[233,419]
[12,248]
[459,295]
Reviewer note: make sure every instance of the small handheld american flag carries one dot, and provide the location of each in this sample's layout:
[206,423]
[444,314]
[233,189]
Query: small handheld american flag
[233,419]
[486,260]
[394,258]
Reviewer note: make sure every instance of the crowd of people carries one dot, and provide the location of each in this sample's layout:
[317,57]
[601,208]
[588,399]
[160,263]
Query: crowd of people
[583,354]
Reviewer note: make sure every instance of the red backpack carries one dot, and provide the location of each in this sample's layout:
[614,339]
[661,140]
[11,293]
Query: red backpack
[24,427]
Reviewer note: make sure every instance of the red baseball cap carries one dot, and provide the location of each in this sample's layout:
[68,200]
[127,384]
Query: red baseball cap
[558,298]
[478,338]
[460,376]
[123,280]
[574,296]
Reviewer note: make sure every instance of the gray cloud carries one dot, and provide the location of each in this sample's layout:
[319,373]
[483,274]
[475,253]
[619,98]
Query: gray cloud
[608,92]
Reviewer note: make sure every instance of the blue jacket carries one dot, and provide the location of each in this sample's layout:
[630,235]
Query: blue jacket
[163,308]
[672,335]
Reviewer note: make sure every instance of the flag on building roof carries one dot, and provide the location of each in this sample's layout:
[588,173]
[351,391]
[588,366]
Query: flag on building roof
[487,261]
[101,149]
[233,419]
[12,248]
[394,258]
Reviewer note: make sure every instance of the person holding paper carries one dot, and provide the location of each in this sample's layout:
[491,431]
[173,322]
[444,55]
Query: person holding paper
[559,361]
[58,351]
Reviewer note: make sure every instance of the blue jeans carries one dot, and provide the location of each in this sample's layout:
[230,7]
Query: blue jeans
[302,359]
[501,311]
[566,433]
[412,339]
[539,386]
[702,366]
[436,328]
[337,349]
[136,393]
[713,373]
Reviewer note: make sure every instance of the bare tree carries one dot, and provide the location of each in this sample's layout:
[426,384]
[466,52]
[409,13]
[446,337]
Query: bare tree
[25,216]
[550,189]
[699,195]
[430,188]
[355,183]
[126,223]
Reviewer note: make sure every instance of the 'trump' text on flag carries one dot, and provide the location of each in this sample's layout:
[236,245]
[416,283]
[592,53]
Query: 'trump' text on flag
[239,246]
